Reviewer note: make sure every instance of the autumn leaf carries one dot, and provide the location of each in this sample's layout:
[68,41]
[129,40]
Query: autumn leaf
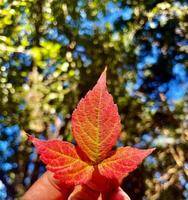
[62,159]
[96,128]
[96,123]
[124,160]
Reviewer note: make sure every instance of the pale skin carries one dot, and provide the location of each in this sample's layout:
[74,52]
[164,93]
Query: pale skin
[48,188]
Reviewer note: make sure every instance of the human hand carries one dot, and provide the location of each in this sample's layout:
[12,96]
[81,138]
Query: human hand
[48,188]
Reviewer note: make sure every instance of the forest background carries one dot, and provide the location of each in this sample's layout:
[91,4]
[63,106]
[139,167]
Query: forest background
[53,51]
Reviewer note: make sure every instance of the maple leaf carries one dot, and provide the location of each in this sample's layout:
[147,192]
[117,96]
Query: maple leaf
[96,127]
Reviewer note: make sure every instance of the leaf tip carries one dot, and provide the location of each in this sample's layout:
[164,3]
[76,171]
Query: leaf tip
[152,149]
[147,152]
[102,79]
[30,137]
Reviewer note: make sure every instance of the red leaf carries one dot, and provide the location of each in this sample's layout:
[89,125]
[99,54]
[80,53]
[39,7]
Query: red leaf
[96,123]
[125,160]
[62,159]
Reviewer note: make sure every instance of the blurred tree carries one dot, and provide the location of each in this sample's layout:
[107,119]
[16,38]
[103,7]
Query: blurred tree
[51,54]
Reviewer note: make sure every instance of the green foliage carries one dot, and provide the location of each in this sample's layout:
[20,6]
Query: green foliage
[51,54]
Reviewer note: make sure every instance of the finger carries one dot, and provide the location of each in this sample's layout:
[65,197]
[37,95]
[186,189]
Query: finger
[82,192]
[119,194]
[46,187]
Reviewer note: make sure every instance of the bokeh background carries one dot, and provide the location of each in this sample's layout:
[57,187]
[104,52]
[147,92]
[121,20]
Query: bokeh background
[53,51]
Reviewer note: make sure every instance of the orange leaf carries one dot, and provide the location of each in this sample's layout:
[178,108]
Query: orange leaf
[96,123]
[62,159]
[124,160]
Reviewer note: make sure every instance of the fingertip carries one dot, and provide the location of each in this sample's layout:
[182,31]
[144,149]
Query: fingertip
[119,194]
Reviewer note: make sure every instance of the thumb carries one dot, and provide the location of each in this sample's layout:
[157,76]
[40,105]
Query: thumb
[46,187]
